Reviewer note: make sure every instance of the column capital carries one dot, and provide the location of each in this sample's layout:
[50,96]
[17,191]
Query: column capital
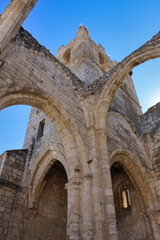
[73,182]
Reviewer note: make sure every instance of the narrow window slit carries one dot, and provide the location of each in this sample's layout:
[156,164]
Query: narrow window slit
[40,132]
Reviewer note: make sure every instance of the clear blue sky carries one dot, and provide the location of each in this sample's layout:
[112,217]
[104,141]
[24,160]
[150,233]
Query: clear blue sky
[120,26]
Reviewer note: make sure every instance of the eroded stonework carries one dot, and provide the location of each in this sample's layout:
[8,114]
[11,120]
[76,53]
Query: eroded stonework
[90,164]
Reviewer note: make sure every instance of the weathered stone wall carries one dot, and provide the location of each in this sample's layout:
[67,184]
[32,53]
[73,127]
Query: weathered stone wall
[11,170]
[50,135]
[155,154]
[7,197]
[151,119]
[126,106]
[150,128]
[122,136]
[12,166]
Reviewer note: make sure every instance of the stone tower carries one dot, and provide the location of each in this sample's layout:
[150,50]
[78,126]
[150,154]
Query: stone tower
[89,167]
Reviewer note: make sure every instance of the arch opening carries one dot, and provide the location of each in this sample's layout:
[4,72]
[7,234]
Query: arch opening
[13,124]
[4,5]
[146,72]
[131,216]
[57,115]
[103,62]
[50,220]
[26,215]
[66,56]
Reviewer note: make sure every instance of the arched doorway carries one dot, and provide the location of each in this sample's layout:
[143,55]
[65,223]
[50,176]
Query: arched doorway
[49,221]
[132,220]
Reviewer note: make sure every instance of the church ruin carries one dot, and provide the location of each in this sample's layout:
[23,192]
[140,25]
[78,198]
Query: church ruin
[89,168]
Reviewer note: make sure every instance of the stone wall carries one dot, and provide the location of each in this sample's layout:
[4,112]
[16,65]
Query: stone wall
[122,136]
[50,135]
[12,166]
[7,197]
[11,171]
[155,154]
[150,120]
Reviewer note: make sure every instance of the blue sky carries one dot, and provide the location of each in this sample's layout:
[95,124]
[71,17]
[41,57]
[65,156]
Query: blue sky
[120,26]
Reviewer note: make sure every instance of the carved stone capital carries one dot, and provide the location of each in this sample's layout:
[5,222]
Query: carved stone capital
[74,182]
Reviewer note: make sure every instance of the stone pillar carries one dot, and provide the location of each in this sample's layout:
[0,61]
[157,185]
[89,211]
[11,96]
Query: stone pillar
[12,18]
[108,192]
[73,214]
[97,201]
[86,208]
[154,217]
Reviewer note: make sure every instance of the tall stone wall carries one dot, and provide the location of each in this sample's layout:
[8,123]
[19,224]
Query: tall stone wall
[49,136]
[150,122]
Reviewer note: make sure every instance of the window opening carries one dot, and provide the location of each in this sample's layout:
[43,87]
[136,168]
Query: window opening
[129,199]
[66,56]
[125,197]
[103,62]
[40,132]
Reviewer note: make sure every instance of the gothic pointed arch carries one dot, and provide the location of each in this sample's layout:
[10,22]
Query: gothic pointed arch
[141,180]
[40,167]
[48,217]
[137,172]
[112,80]
[60,119]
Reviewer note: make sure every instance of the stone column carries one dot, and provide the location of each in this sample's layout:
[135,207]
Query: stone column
[73,214]
[86,208]
[97,201]
[108,191]
[154,217]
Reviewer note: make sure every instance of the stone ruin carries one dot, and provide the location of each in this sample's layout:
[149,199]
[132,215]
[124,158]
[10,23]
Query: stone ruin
[89,168]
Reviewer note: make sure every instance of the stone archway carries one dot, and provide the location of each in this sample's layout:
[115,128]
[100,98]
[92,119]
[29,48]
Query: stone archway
[57,115]
[39,168]
[112,80]
[49,221]
[12,18]
[132,221]
[142,185]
